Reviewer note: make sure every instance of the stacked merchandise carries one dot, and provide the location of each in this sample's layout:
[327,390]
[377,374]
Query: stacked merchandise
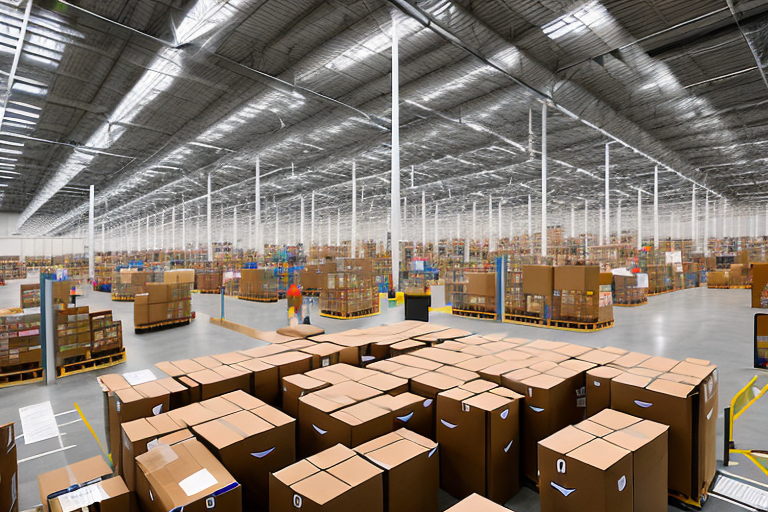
[102,278]
[578,297]
[538,290]
[30,296]
[19,341]
[177,276]
[163,305]
[12,268]
[313,277]
[208,280]
[514,297]
[106,333]
[760,285]
[73,336]
[628,293]
[479,297]
[660,279]
[691,272]
[128,282]
[37,262]
[259,284]
[351,291]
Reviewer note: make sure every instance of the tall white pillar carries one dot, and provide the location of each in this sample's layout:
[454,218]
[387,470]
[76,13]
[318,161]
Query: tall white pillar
[423,221]
[639,219]
[490,223]
[395,180]
[138,235]
[602,232]
[530,224]
[474,221]
[618,225]
[312,221]
[726,231]
[338,227]
[437,238]
[103,242]
[607,233]
[498,236]
[656,207]
[573,221]
[586,228]
[544,179]
[149,246]
[330,240]
[197,230]
[162,230]
[353,243]
[301,222]
[183,227]
[208,219]
[91,240]
[277,225]
[694,227]
[234,231]
[173,228]
[257,205]
[154,233]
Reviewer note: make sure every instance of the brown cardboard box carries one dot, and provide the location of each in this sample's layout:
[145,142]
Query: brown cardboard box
[128,404]
[441,356]
[265,380]
[318,430]
[9,478]
[328,375]
[736,275]
[577,278]
[208,410]
[386,383]
[717,278]
[179,392]
[137,437]
[140,309]
[159,313]
[334,480]
[538,280]
[568,470]
[179,275]
[759,283]
[411,468]
[221,380]
[476,503]
[109,384]
[251,445]
[289,363]
[599,388]
[483,284]
[158,293]
[185,475]
[410,411]
[296,386]
[63,478]
[686,399]
[109,495]
[325,354]
[479,434]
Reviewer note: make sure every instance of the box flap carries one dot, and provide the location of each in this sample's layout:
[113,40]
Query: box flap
[562,372]
[379,442]
[330,457]
[644,372]
[572,350]
[478,386]
[631,359]
[593,428]
[152,389]
[476,503]
[614,420]
[668,387]
[521,374]
[396,453]
[488,402]
[614,350]
[599,453]
[285,358]
[632,380]
[599,356]
[458,373]
[354,471]
[693,369]
[187,366]
[296,472]
[320,487]
[547,345]
[416,362]
[543,381]
[543,366]
[231,358]
[566,440]
[604,372]
[383,382]
[577,365]
[660,364]
[138,429]
[359,413]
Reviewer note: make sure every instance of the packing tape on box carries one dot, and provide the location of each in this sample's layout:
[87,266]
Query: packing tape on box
[157,458]
[82,498]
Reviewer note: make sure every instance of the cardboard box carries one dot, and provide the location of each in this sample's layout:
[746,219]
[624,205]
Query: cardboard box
[132,403]
[388,384]
[251,445]
[411,470]
[538,280]
[599,388]
[289,363]
[478,428]
[583,278]
[476,503]
[137,438]
[483,284]
[58,480]
[109,495]
[264,380]
[582,467]
[759,283]
[326,354]
[319,429]
[9,477]
[185,475]
[686,399]
[109,384]
[335,480]
[221,380]
[140,309]
[410,411]
[158,293]
[180,275]
[296,386]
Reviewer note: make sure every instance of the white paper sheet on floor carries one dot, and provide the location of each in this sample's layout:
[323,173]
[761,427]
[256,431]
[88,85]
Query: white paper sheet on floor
[38,423]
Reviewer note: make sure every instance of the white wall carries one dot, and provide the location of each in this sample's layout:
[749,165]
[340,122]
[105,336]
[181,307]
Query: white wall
[8,223]
[18,246]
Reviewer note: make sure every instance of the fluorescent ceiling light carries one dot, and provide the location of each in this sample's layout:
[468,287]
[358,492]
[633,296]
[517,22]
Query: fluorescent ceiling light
[29,89]
[22,121]
[10,172]
[205,16]
[22,104]
[10,151]
[7,177]
[9,159]
[11,143]
[588,16]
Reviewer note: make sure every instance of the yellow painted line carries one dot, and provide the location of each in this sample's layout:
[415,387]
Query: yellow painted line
[90,429]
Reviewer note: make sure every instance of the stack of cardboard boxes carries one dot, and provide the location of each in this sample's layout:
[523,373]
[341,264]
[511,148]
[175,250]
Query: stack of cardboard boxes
[19,341]
[208,280]
[480,293]
[351,291]
[163,303]
[130,282]
[259,284]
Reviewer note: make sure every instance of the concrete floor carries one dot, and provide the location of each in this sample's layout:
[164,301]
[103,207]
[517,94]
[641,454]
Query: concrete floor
[701,323]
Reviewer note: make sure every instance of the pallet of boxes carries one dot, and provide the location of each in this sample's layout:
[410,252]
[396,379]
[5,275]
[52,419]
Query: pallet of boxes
[478,299]
[87,341]
[259,285]
[128,282]
[351,291]
[162,306]
[289,426]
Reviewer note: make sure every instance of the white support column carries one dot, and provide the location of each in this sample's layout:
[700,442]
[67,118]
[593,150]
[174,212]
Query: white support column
[208,218]
[530,225]
[694,227]
[639,219]
[258,226]
[404,232]
[103,241]
[162,231]
[474,221]
[395,179]
[197,230]
[277,225]
[602,232]
[725,229]
[544,179]
[618,225]
[330,240]
[656,207]
[437,239]
[173,228]
[154,233]
[183,227]
[458,226]
[234,231]
[353,243]
[586,228]
[91,241]
[490,223]
[573,221]
[499,235]
[607,232]
[301,224]
[138,235]
[147,230]
[424,222]
[312,221]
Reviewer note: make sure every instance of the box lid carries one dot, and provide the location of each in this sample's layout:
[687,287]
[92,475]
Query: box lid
[354,471]
[332,456]
[668,387]
[476,503]
[566,440]
[488,402]
[321,487]
[394,454]
[660,364]
[593,428]
[614,420]
[383,382]
[207,362]
[599,453]
[231,358]
[296,472]
[604,372]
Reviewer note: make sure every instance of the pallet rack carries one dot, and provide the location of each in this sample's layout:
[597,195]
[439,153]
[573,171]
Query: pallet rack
[349,294]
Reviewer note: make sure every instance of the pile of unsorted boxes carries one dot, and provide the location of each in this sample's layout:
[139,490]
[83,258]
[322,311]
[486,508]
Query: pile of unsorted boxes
[379,419]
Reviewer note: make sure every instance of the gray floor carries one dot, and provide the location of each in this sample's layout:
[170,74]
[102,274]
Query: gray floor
[707,324]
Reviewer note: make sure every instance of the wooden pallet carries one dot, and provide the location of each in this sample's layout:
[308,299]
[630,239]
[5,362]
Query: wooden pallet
[357,314]
[217,292]
[162,325]
[561,325]
[483,315]
[121,298]
[257,299]
[643,303]
[89,365]
[23,376]
[653,294]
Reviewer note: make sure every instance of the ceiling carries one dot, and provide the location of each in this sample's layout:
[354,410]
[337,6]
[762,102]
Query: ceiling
[145,99]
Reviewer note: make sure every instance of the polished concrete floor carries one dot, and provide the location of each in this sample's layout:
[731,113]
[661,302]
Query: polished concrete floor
[707,324]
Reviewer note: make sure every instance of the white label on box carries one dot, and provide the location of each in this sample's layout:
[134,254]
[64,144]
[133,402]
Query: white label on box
[38,423]
[140,377]
[82,498]
[197,482]
[157,409]
[622,483]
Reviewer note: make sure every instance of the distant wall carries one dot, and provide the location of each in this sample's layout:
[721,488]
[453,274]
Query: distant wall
[17,246]
[8,223]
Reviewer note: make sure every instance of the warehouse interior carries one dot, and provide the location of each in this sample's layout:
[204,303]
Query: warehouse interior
[364,202]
